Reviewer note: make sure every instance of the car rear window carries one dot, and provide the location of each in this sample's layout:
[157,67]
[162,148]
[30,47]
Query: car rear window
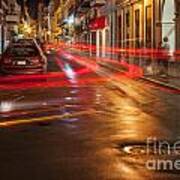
[25,42]
[23,51]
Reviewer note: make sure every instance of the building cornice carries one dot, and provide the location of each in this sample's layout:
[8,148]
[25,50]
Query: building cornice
[124,3]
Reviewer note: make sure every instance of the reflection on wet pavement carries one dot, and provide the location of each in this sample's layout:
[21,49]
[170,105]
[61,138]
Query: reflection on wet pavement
[94,131]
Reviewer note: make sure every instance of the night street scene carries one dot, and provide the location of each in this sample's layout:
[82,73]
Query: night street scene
[89,89]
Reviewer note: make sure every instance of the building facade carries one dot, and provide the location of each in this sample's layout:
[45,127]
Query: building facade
[144,23]
[9,19]
[122,23]
[92,20]
[3,28]
[100,26]
[60,14]
[136,23]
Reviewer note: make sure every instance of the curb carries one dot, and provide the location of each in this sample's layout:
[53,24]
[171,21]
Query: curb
[167,85]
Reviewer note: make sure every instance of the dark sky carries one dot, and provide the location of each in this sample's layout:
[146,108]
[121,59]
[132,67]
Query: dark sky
[33,6]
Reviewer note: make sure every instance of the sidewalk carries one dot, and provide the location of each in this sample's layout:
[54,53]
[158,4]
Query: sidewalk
[167,81]
[148,70]
[172,82]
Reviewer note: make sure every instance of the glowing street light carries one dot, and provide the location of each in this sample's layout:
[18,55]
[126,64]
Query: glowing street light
[27,28]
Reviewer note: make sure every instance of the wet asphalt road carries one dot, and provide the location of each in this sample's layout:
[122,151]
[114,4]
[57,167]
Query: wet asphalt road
[80,122]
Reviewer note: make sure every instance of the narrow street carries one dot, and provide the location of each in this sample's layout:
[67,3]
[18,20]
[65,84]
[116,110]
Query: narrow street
[89,89]
[82,121]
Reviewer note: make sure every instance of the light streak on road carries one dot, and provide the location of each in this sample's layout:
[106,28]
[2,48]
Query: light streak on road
[23,82]
[54,84]
[35,78]
[69,77]
[132,71]
[70,73]
[125,52]
[7,106]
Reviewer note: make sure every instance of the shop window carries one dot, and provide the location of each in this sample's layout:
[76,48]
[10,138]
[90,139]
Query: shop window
[100,39]
[137,27]
[93,38]
[148,26]
[107,37]
[120,30]
[127,19]
[127,27]
[100,43]
[112,23]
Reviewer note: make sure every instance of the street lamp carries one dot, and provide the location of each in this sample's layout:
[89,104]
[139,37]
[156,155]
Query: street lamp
[27,28]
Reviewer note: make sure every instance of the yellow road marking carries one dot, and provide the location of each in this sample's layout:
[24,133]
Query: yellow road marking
[46,118]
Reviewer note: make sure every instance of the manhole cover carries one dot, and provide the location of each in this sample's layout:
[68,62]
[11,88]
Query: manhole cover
[159,148]
[160,157]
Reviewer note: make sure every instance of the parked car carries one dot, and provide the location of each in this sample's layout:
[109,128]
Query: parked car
[23,57]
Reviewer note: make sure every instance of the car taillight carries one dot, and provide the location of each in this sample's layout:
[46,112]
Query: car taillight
[7,61]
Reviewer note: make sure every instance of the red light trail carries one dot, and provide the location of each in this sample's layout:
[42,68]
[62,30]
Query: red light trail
[60,79]
[158,54]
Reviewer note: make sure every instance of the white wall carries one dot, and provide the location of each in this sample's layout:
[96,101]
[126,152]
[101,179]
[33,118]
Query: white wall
[168,26]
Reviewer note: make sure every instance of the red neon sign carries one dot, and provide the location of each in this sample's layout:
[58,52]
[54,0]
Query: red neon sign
[97,23]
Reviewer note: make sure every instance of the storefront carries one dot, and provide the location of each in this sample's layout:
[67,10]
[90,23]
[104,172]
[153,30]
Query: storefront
[98,34]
